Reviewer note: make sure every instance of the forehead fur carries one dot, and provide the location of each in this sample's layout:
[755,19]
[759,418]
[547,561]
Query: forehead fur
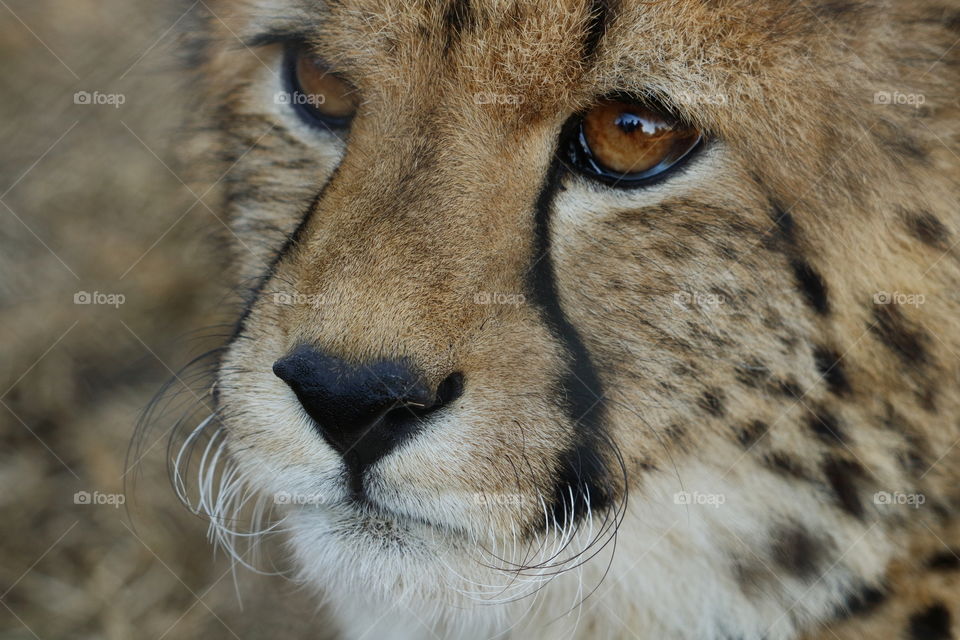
[796,79]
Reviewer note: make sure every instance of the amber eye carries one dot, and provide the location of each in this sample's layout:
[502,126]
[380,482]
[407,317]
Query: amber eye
[317,94]
[624,143]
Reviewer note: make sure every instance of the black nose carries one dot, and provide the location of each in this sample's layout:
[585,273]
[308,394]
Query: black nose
[362,411]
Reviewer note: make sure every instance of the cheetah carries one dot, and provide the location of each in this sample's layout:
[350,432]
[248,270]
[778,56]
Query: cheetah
[591,318]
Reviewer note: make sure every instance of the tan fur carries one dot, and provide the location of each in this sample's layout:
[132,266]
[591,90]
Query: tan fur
[430,199]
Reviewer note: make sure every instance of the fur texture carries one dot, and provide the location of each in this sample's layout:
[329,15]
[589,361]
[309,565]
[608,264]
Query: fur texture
[713,405]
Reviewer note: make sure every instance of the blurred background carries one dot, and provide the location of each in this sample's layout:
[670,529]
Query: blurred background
[109,283]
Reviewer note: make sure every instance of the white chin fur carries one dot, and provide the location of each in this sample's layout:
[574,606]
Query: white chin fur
[385,580]
[673,575]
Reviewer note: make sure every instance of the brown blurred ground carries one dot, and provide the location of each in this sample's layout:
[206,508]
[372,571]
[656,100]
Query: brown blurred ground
[85,205]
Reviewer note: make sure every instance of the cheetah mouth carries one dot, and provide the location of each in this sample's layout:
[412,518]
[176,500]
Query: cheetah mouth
[369,511]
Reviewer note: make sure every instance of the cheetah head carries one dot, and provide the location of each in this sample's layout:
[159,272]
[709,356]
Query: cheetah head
[654,301]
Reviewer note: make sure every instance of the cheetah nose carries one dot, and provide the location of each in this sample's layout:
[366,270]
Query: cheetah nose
[363,411]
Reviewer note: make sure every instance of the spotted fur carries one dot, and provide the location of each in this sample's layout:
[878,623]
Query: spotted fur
[686,424]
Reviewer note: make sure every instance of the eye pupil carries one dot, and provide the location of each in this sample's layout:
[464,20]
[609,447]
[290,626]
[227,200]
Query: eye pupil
[626,144]
[317,94]
[629,122]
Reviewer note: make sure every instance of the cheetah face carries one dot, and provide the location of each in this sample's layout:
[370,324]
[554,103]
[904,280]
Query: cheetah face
[530,278]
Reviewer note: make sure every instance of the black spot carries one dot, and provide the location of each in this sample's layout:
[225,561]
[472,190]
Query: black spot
[925,227]
[668,388]
[931,624]
[194,47]
[844,478]
[928,398]
[915,458]
[891,327]
[913,462]
[784,221]
[457,21]
[796,551]
[943,513]
[811,284]
[714,338]
[790,388]
[783,464]
[901,145]
[712,402]
[948,560]
[751,576]
[674,432]
[597,23]
[826,426]
[863,602]
[750,434]
[685,369]
[646,465]
[893,420]
[727,251]
[790,343]
[675,250]
[830,368]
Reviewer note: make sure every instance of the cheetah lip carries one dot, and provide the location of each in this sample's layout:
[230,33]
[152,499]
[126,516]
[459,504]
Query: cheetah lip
[368,508]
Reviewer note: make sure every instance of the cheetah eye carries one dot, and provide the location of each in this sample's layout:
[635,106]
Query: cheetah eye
[625,144]
[319,96]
